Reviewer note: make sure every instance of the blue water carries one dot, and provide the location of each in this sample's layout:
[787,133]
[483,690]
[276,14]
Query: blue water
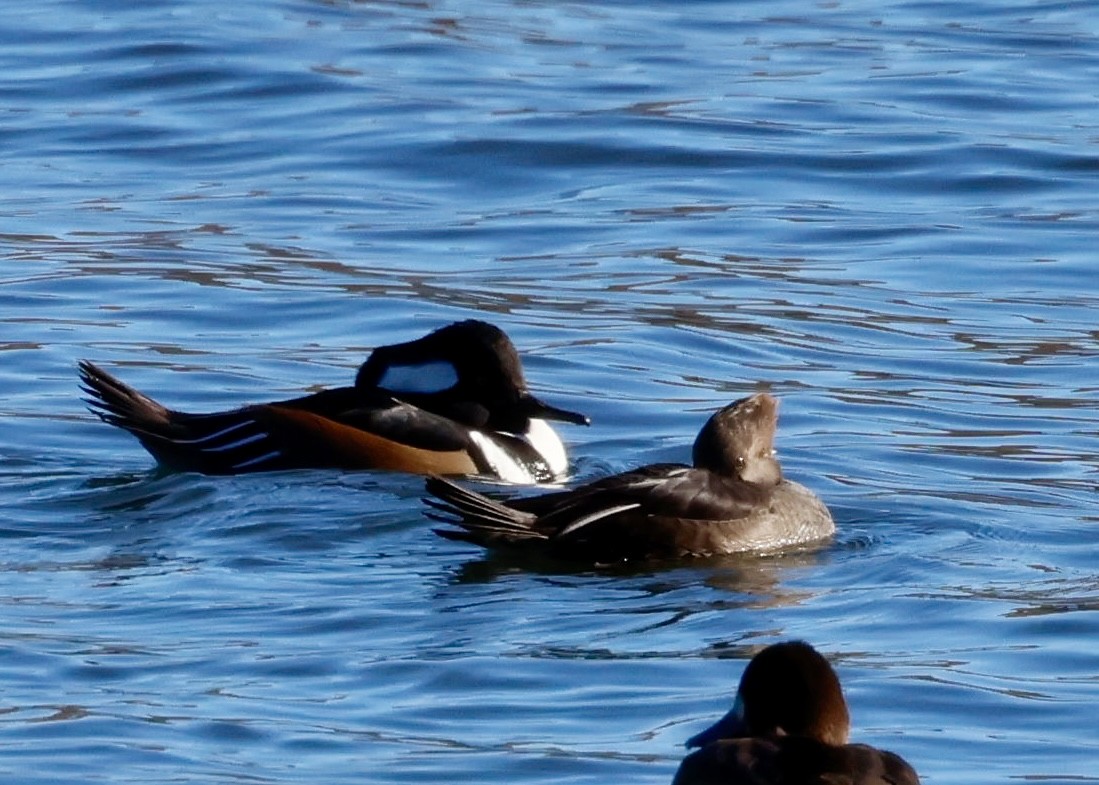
[886,214]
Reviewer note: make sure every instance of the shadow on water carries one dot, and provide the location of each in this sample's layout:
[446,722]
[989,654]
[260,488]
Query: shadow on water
[755,581]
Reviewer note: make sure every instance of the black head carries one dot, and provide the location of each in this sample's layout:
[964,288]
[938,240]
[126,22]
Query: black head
[788,689]
[739,441]
[469,371]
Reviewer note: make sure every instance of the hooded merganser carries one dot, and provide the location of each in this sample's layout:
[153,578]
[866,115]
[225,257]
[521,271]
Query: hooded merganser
[734,499]
[788,726]
[452,402]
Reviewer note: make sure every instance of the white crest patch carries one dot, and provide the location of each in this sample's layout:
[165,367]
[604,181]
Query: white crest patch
[430,377]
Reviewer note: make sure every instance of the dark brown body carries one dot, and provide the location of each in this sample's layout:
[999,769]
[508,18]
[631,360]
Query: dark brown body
[788,726]
[733,500]
[792,761]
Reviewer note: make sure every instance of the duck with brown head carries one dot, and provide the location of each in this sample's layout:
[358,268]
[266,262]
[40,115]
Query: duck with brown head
[732,500]
[739,441]
[789,725]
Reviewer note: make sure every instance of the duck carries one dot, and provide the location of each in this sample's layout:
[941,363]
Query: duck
[732,499]
[453,402]
[789,725]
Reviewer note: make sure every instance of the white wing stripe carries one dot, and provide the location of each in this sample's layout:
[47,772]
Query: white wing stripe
[239,443]
[595,516]
[260,459]
[216,434]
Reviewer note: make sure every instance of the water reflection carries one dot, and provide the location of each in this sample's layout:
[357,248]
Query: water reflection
[667,591]
[1050,597]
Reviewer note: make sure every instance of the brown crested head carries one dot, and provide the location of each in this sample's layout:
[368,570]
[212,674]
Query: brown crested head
[739,441]
[790,689]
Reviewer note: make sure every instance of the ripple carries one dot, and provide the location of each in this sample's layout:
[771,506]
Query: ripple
[885,217]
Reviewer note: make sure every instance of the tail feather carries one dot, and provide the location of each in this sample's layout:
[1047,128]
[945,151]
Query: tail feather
[453,498]
[479,518]
[119,404]
[229,442]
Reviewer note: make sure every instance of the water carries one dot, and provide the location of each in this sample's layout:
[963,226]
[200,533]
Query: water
[884,214]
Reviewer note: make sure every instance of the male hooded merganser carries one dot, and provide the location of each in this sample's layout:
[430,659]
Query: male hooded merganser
[734,499]
[452,402]
[788,726]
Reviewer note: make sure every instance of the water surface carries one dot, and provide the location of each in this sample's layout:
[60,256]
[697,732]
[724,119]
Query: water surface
[884,214]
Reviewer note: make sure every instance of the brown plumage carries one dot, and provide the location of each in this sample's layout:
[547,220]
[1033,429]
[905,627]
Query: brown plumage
[733,499]
[789,726]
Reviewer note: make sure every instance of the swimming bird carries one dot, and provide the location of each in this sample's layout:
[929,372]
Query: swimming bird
[788,726]
[732,500]
[452,402]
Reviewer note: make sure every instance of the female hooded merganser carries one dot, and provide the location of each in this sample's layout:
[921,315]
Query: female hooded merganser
[452,402]
[734,499]
[788,726]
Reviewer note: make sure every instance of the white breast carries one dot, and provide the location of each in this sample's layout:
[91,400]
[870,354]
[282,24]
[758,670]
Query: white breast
[549,445]
[541,437]
[503,465]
